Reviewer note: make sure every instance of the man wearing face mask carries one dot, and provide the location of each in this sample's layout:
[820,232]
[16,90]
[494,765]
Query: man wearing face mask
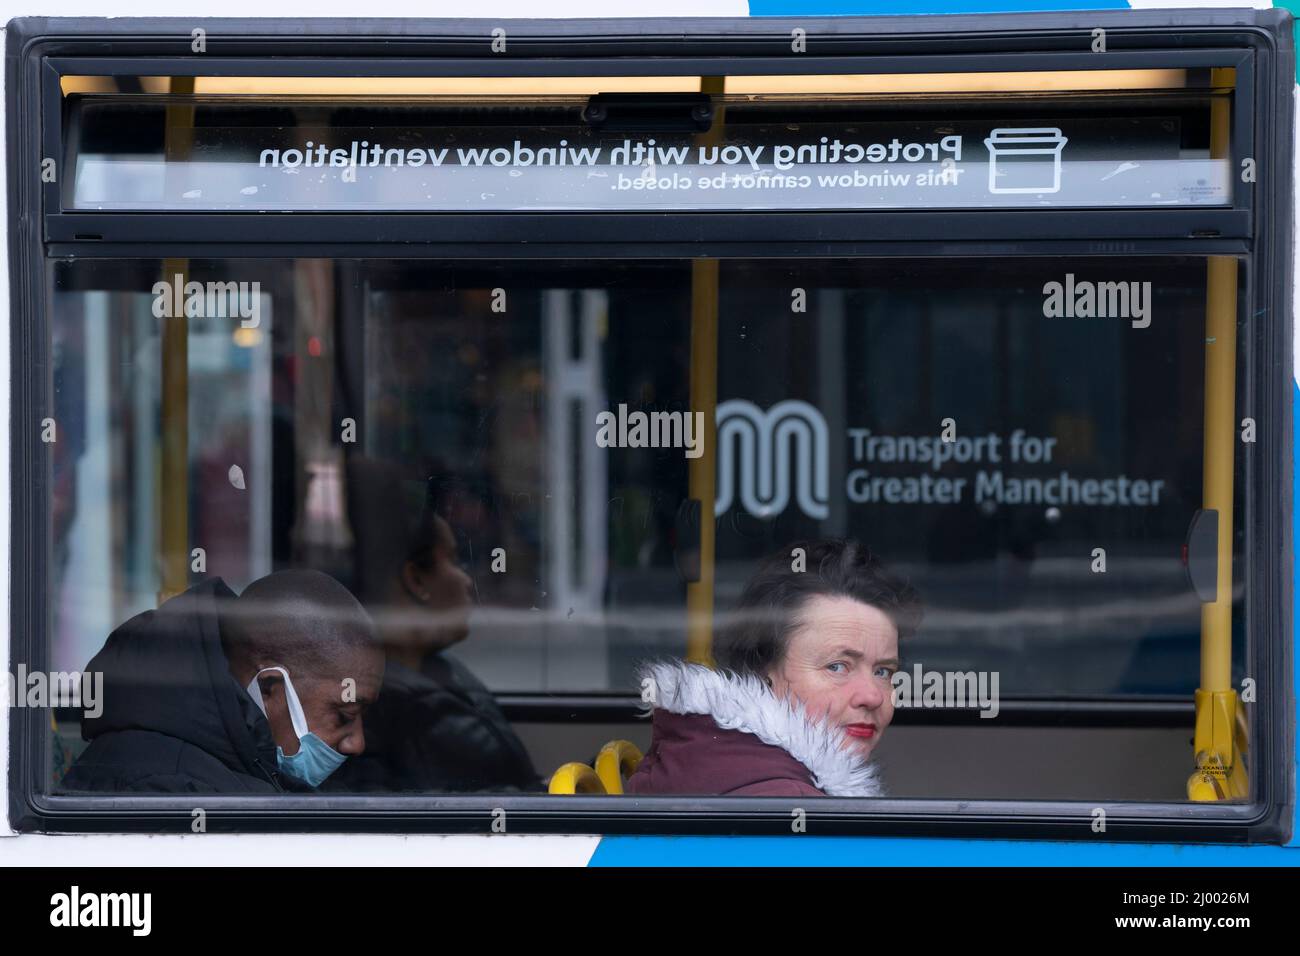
[222,694]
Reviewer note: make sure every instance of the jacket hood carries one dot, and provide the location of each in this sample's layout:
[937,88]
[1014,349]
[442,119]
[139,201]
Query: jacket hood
[165,671]
[744,703]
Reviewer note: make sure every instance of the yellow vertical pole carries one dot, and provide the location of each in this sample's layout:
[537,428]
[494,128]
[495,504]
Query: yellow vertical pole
[704,398]
[173,473]
[1220,769]
[173,476]
[1220,445]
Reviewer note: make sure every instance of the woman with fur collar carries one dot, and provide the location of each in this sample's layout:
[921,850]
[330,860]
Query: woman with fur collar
[803,691]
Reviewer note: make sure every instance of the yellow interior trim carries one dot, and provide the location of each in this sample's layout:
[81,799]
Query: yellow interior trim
[540,86]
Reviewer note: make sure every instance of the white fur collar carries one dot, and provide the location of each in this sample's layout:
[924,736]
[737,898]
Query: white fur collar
[745,703]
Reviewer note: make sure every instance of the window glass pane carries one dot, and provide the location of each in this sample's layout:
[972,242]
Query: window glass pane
[671,151]
[512,469]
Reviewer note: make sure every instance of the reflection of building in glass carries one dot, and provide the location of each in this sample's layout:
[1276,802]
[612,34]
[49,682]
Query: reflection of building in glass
[598,541]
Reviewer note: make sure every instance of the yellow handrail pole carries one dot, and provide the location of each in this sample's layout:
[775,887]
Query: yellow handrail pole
[1219,774]
[702,472]
[173,478]
[1220,769]
[1220,445]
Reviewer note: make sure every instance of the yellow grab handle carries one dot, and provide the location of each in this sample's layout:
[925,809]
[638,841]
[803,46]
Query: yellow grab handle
[575,778]
[617,759]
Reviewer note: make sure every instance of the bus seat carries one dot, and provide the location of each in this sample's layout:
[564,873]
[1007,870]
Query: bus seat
[616,761]
[575,778]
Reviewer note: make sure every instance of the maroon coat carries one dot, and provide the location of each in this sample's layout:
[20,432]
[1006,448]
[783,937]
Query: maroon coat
[717,733]
[689,753]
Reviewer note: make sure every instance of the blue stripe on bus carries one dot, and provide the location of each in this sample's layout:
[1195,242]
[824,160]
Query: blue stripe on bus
[806,850]
[812,8]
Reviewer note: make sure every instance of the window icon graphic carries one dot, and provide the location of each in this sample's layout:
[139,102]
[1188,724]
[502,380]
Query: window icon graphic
[1025,160]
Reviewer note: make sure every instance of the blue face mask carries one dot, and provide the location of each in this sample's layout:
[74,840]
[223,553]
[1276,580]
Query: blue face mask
[315,759]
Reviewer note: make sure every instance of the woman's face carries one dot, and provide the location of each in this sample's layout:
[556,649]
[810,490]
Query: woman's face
[443,590]
[840,661]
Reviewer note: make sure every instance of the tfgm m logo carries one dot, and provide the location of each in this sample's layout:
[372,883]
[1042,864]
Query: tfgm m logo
[766,442]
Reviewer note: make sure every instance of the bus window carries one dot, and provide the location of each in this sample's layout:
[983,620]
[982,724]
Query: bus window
[611,431]
[497,461]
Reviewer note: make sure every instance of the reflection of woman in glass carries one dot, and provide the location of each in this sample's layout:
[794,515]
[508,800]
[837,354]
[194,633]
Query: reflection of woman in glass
[803,693]
[435,727]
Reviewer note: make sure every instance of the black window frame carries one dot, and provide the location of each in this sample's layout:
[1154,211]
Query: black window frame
[1257,226]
